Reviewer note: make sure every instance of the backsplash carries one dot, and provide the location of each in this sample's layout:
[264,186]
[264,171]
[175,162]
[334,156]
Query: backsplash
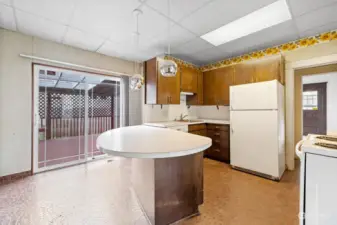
[211,112]
[176,110]
[156,113]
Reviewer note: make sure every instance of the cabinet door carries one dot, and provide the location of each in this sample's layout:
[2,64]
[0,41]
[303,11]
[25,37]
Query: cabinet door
[209,86]
[189,79]
[223,80]
[168,89]
[244,73]
[198,97]
[267,69]
[200,92]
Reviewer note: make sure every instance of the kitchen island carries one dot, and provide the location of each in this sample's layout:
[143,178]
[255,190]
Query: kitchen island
[167,169]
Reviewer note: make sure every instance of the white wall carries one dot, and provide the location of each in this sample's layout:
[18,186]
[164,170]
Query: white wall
[170,112]
[16,91]
[211,112]
[331,90]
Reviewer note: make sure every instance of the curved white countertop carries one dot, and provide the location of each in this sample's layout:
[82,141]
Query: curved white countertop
[150,142]
[169,124]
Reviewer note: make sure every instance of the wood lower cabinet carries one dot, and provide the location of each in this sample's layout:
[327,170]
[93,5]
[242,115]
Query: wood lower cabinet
[160,89]
[220,149]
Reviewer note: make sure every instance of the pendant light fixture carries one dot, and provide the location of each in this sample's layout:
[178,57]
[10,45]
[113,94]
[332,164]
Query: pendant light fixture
[168,68]
[137,80]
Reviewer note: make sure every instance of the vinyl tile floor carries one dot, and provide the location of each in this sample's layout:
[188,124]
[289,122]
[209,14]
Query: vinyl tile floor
[99,193]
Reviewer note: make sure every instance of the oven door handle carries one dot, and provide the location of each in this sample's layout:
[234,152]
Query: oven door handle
[298,150]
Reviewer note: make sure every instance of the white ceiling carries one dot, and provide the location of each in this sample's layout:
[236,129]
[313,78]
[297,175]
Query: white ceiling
[107,26]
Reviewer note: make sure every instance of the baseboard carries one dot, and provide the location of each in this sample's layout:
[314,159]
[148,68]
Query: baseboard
[13,177]
[256,173]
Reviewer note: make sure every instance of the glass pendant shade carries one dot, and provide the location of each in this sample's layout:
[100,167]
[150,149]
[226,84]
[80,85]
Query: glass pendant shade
[168,68]
[136,82]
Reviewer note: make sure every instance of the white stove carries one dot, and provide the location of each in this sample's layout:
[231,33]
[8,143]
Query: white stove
[318,187]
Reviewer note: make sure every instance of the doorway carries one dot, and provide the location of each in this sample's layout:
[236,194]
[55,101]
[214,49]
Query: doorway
[71,109]
[314,108]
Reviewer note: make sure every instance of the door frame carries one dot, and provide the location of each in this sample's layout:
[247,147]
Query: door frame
[293,101]
[324,108]
[35,134]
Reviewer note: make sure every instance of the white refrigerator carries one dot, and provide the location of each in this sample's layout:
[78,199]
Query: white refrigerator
[257,137]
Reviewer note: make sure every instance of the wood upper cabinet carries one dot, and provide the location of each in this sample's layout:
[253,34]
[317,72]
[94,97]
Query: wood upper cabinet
[189,79]
[209,81]
[223,80]
[268,69]
[216,86]
[244,73]
[160,89]
[198,97]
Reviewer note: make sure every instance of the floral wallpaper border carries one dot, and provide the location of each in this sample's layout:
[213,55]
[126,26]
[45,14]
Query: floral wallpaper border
[290,46]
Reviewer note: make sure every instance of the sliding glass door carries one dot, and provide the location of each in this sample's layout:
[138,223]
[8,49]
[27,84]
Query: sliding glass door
[70,110]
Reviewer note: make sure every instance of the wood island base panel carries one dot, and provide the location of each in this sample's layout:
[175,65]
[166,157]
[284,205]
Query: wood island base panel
[168,190]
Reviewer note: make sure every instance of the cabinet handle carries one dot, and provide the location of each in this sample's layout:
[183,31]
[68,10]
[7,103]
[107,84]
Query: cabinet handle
[216,150]
[216,141]
[217,134]
[170,99]
[216,127]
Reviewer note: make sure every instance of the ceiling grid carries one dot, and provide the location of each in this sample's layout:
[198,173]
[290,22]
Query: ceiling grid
[106,26]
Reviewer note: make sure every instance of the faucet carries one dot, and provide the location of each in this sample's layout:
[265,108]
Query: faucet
[182,117]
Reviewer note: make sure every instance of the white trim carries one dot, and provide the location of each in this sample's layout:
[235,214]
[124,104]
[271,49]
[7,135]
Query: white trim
[313,62]
[36,168]
[290,99]
[75,65]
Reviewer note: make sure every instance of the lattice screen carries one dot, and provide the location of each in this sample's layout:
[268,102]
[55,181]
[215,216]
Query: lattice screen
[65,105]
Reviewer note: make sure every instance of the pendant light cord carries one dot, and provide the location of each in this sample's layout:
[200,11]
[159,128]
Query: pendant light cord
[168,33]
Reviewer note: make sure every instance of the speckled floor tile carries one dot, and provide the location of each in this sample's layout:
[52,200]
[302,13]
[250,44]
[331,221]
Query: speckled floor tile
[99,193]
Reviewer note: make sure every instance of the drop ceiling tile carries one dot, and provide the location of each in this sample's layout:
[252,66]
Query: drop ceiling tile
[317,18]
[219,12]
[300,7]
[7,17]
[39,27]
[82,40]
[152,23]
[269,37]
[178,36]
[58,11]
[189,58]
[105,17]
[109,48]
[6,2]
[196,45]
[210,55]
[179,9]
[318,30]
[126,51]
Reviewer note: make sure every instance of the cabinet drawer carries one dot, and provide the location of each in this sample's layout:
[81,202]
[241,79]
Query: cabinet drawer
[217,127]
[199,132]
[196,127]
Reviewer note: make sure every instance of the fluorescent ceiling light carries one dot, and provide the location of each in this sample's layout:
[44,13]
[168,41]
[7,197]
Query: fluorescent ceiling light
[268,16]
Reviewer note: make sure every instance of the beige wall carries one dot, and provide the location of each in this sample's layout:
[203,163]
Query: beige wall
[16,90]
[302,58]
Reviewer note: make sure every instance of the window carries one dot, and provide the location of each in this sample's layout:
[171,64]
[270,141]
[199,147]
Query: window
[310,101]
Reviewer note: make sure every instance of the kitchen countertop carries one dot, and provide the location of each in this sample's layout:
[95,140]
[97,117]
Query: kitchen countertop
[150,142]
[167,124]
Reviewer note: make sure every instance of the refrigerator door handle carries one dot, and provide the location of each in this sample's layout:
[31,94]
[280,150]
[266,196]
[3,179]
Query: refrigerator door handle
[231,100]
